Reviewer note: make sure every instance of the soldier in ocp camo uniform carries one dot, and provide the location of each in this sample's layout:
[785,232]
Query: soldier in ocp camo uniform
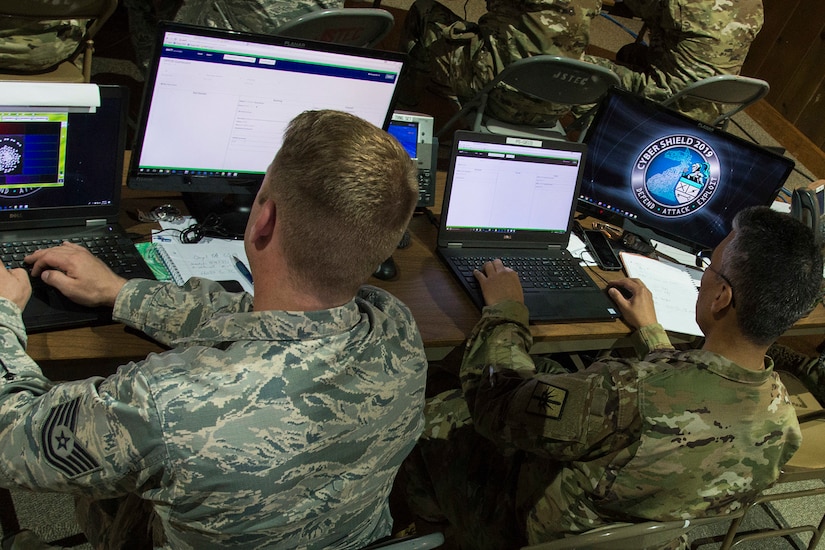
[255,16]
[457,58]
[527,455]
[275,421]
[689,40]
[30,47]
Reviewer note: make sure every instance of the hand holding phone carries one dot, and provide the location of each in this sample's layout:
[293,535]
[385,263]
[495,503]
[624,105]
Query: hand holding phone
[602,251]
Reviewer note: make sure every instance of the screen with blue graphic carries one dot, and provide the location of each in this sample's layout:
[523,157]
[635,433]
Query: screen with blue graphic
[32,150]
[407,135]
[677,177]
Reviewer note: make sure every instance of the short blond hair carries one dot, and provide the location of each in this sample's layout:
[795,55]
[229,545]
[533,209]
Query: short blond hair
[344,191]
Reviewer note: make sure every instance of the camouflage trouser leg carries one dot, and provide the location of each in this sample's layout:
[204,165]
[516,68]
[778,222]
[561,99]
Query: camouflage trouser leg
[119,523]
[457,475]
[445,51]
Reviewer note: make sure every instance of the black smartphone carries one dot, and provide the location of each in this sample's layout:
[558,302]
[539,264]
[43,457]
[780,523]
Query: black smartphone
[602,251]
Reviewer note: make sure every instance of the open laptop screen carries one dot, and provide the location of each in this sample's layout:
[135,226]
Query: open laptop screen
[217,102]
[510,190]
[56,164]
[657,170]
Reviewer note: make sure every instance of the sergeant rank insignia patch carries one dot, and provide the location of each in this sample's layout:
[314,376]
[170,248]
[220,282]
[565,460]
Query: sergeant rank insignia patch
[547,400]
[60,447]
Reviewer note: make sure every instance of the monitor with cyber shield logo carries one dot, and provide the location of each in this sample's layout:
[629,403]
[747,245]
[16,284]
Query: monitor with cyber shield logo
[666,176]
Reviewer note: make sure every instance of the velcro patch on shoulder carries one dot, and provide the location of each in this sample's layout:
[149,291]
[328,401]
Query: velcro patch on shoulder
[547,400]
[60,446]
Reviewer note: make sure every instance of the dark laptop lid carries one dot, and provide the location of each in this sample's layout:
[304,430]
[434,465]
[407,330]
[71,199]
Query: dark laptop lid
[662,171]
[507,192]
[62,168]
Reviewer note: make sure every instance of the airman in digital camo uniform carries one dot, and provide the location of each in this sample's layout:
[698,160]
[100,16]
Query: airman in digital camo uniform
[278,420]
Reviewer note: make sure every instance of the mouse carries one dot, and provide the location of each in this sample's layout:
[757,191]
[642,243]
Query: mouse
[625,292]
[387,270]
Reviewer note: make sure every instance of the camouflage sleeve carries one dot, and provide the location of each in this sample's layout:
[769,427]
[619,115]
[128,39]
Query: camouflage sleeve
[19,372]
[94,436]
[169,313]
[561,416]
[35,46]
[650,338]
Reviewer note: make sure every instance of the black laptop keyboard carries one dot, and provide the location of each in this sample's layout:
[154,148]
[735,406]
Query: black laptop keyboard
[117,252]
[534,273]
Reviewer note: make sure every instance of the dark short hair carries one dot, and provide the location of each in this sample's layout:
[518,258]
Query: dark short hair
[775,267]
[345,191]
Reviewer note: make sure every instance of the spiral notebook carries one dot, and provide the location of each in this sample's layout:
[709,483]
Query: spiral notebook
[674,291]
[210,259]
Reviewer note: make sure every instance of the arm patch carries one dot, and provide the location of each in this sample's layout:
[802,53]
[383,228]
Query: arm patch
[60,447]
[547,401]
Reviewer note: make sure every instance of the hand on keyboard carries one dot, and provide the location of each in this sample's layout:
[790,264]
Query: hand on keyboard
[15,286]
[499,283]
[77,274]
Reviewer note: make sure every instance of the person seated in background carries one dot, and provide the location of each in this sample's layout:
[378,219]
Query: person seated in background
[255,16]
[36,46]
[454,58]
[689,40]
[527,454]
[278,420]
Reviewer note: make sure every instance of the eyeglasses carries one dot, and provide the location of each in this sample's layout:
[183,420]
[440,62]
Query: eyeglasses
[724,278]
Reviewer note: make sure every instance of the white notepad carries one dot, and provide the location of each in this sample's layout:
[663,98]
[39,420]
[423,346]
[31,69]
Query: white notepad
[211,259]
[674,291]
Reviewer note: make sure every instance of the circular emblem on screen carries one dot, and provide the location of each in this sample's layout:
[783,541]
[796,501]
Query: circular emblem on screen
[675,176]
[11,155]
[11,164]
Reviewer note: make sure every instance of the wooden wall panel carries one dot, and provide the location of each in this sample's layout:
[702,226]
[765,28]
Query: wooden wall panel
[811,120]
[789,53]
[776,17]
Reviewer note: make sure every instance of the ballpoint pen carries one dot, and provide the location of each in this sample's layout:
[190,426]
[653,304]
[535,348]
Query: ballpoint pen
[243,269]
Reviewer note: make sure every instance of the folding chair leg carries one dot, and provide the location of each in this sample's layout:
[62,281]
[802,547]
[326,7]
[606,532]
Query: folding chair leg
[8,516]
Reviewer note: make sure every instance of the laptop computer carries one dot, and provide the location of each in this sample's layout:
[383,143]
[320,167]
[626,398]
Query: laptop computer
[514,198]
[60,179]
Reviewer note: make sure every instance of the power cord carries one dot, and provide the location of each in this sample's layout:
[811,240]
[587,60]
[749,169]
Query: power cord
[211,226]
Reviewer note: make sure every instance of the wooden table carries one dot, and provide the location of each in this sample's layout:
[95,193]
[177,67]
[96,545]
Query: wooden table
[444,312]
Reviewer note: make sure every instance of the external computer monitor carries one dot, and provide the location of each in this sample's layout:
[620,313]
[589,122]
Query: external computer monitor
[668,177]
[217,102]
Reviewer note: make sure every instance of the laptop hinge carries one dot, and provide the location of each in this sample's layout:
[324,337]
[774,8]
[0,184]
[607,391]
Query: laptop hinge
[94,223]
[454,245]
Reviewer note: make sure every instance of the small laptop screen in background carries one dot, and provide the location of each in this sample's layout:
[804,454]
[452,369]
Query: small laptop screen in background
[218,102]
[53,159]
[505,188]
[673,175]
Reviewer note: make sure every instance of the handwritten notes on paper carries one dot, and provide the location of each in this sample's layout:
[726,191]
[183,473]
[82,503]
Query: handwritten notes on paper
[674,291]
[211,259]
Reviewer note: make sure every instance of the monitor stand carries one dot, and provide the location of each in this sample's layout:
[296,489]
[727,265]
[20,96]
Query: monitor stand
[232,210]
[651,235]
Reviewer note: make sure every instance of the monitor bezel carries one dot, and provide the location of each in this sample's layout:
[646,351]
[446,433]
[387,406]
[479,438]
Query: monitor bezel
[246,184]
[78,166]
[651,231]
